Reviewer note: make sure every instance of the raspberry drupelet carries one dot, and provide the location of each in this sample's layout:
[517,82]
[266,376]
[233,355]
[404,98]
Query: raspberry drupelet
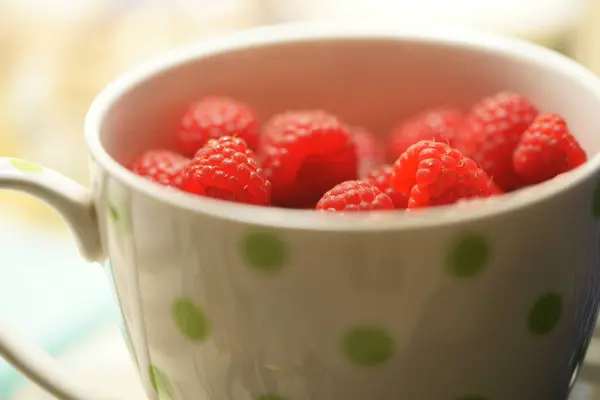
[355,196]
[434,174]
[226,169]
[160,166]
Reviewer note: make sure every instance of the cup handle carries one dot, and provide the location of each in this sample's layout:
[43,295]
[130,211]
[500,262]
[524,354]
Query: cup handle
[75,205]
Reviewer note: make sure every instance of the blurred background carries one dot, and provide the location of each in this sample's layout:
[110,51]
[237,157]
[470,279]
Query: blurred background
[55,55]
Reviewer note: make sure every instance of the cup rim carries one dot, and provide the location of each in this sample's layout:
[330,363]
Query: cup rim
[274,217]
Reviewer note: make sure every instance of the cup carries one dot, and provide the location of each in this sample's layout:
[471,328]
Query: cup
[494,299]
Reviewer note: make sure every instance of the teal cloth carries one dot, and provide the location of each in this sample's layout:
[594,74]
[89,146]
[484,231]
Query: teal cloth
[48,293]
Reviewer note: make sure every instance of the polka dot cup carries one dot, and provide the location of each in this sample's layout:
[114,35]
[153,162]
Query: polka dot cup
[488,300]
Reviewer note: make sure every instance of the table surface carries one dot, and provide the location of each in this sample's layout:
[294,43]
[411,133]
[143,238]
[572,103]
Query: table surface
[102,363]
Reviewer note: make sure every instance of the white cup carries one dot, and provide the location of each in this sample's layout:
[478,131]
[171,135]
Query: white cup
[496,300]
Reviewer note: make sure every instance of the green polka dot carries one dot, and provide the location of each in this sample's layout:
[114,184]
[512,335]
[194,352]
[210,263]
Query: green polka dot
[367,346]
[545,314]
[119,214]
[190,320]
[160,383]
[596,203]
[270,397]
[264,251]
[468,257]
[26,166]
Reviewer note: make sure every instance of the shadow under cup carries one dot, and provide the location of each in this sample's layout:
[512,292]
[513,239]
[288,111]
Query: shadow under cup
[491,301]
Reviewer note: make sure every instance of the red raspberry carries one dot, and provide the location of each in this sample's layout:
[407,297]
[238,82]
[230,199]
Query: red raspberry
[369,151]
[382,178]
[547,149]
[438,124]
[494,189]
[306,153]
[492,131]
[355,196]
[213,117]
[226,169]
[434,174]
[161,166]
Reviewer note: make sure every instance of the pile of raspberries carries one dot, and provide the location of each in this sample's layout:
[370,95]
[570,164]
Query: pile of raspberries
[311,159]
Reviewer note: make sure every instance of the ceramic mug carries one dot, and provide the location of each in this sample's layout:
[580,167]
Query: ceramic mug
[494,299]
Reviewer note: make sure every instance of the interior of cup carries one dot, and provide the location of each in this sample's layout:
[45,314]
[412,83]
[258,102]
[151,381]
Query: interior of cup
[371,82]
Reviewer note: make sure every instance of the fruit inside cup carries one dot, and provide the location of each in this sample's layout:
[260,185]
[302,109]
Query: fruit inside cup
[313,159]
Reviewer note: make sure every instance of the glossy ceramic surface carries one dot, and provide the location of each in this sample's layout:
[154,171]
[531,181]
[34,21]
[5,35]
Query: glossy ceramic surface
[486,300]
[479,303]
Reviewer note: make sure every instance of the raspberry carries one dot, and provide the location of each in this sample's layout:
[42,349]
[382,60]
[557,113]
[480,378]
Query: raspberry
[494,189]
[434,174]
[369,151]
[213,117]
[491,133]
[546,150]
[306,153]
[355,196]
[438,124]
[382,178]
[226,169]
[160,166]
